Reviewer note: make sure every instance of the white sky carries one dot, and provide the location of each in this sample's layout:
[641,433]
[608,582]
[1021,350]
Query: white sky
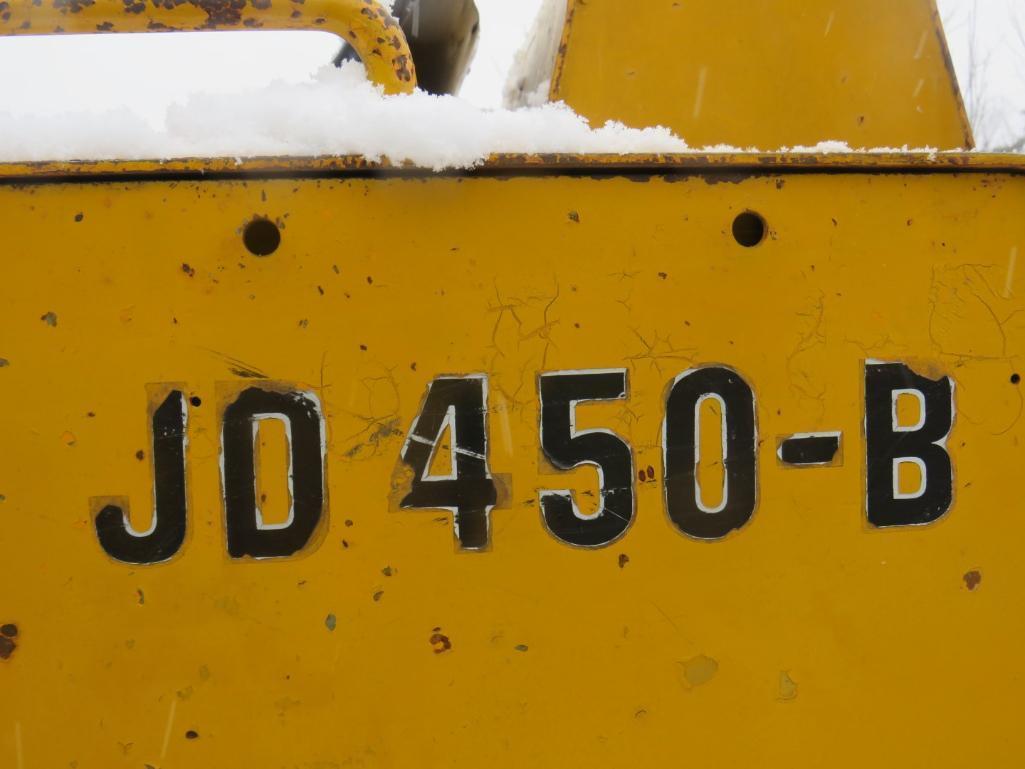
[146,73]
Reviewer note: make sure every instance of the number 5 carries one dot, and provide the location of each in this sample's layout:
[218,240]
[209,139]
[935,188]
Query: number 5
[566,448]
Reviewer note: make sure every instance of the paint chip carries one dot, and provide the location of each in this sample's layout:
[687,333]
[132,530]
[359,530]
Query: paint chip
[699,670]
[49,318]
[330,622]
[787,687]
[624,559]
[521,647]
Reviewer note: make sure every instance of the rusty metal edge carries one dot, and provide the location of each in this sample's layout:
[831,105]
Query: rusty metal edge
[518,165]
[955,85]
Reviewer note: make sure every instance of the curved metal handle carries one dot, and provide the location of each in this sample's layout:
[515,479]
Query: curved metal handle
[364,24]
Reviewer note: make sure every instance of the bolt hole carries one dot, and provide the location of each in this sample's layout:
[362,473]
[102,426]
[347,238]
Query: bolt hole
[262,237]
[749,229]
[1015,378]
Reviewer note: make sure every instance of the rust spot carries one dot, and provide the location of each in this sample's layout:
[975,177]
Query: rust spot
[104,27]
[188,270]
[140,455]
[387,571]
[191,734]
[79,216]
[521,647]
[972,579]
[574,217]
[220,13]
[624,559]
[378,595]
[71,6]
[440,642]
[403,67]
[49,318]
[252,23]
[156,26]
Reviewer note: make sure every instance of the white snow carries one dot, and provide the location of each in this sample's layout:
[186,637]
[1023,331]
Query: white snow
[338,113]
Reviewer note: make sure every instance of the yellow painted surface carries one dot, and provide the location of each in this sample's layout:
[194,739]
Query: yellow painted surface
[765,73]
[806,639]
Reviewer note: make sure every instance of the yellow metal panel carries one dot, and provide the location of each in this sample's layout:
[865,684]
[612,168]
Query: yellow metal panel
[765,73]
[807,638]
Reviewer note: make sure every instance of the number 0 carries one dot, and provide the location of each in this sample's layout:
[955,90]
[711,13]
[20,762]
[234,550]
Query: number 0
[680,441]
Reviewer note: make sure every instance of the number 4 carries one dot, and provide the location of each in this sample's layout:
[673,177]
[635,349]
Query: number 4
[459,404]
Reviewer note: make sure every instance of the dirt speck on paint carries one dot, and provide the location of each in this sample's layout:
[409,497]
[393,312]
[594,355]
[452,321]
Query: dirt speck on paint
[8,633]
[972,579]
[440,642]
[698,671]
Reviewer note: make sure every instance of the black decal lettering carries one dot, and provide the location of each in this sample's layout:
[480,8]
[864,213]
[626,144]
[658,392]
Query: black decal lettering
[889,444]
[460,405]
[247,535]
[167,532]
[681,452]
[567,448]
[810,450]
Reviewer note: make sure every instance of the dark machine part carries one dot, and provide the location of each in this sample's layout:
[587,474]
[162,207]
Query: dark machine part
[442,35]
